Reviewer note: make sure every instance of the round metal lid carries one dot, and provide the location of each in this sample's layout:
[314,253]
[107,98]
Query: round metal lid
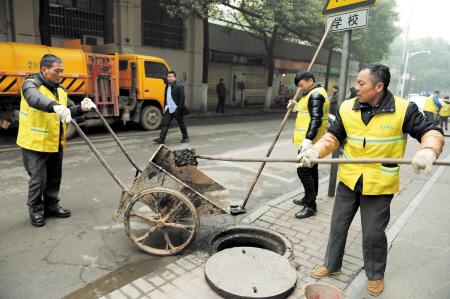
[249,272]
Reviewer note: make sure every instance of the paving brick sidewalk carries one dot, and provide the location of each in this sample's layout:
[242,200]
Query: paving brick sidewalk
[185,277]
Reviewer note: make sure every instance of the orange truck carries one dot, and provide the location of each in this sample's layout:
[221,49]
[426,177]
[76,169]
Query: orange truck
[125,87]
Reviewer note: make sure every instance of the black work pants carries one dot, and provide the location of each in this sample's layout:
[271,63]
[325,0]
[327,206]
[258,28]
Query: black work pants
[45,171]
[310,180]
[220,104]
[375,214]
[168,117]
[444,122]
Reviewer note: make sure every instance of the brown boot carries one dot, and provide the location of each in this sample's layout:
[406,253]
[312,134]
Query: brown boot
[375,287]
[322,272]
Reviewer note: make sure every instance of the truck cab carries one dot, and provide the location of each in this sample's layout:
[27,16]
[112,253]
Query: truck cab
[142,83]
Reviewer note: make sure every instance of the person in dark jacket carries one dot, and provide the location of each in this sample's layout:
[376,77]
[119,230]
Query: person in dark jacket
[44,111]
[334,100]
[173,108]
[221,93]
[310,125]
[374,125]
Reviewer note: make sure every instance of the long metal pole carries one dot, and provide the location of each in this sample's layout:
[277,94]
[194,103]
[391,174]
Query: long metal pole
[404,75]
[286,117]
[345,60]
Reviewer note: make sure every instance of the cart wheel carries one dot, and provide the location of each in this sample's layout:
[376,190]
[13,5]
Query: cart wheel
[161,221]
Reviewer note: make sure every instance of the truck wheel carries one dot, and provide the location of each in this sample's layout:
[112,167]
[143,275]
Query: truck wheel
[70,131]
[151,118]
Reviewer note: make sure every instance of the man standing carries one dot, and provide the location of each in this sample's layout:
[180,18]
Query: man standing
[374,125]
[444,113]
[221,93]
[44,111]
[173,108]
[334,100]
[432,107]
[310,125]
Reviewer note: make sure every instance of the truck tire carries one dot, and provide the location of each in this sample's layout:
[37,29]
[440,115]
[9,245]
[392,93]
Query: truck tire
[70,131]
[151,118]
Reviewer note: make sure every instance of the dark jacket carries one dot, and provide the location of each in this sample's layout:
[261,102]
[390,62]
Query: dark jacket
[37,100]
[414,123]
[315,108]
[220,90]
[177,94]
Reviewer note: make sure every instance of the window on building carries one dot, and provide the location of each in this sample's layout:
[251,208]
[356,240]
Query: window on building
[155,70]
[76,18]
[159,29]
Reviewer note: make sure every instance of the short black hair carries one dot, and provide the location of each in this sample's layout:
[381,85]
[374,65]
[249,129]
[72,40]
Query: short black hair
[172,72]
[380,72]
[303,75]
[437,91]
[49,59]
[336,87]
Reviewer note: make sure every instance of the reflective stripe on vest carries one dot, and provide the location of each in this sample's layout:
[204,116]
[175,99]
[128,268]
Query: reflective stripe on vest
[303,117]
[39,130]
[382,138]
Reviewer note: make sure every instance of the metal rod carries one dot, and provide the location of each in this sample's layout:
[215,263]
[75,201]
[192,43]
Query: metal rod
[114,136]
[318,161]
[283,123]
[100,158]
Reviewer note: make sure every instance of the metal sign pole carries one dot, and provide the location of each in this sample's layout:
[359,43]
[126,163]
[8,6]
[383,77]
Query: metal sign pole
[345,59]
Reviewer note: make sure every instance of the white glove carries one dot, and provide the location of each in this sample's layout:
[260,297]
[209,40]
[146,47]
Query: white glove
[87,104]
[306,144]
[423,160]
[63,113]
[304,158]
[292,104]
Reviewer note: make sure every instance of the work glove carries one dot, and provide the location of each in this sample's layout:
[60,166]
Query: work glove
[87,105]
[306,144]
[423,160]
[292,104]
[63,113]
[304,158]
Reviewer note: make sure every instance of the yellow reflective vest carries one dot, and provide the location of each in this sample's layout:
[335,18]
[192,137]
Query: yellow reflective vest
[303,117]
[430,105]
[445,110]
[39,130]
[382,138]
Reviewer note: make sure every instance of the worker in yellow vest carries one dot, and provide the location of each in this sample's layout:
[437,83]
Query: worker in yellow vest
[373,125]
[44,111]
[444,113]
[310,125]
[432,107]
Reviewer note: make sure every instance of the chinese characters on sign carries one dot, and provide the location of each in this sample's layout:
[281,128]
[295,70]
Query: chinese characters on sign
[348,21]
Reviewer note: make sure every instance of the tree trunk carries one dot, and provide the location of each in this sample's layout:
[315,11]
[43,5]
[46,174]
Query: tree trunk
[271,66]
[108,25]
[327,74]
[204,106]
[44,22]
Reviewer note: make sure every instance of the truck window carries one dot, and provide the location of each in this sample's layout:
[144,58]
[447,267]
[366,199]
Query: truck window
[155,70]
[123,65]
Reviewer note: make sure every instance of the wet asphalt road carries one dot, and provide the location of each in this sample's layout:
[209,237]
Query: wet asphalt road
[89,254]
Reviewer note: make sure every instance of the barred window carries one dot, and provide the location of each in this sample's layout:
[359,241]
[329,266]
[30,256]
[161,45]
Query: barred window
[159,29]
[75,18]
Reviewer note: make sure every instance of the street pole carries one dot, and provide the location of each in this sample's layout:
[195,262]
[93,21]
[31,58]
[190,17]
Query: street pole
[345,60]
[404,75]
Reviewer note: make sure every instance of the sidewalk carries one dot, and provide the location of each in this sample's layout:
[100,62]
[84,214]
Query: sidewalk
[418,263]
[231,111]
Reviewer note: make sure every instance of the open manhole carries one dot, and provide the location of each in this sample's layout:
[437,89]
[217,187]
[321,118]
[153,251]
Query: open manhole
[250,236]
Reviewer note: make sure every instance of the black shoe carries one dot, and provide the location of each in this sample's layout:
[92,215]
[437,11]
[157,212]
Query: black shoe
[37,219]
[299,201]
[184,140]
[56,211]
[158,141]
[306,212]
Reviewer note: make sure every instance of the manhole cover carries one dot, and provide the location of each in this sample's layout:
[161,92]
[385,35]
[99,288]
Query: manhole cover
[250,272]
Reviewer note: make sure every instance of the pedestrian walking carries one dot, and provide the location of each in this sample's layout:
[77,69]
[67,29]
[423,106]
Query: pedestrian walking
[444,113]
[432,107]
[221,93]
[334,100]
[310,125]
[173,108]
[44,111]
[373,125]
